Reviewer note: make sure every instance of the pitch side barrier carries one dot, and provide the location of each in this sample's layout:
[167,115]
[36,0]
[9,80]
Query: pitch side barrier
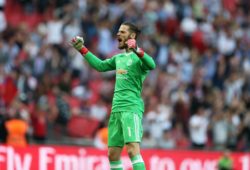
[87,158]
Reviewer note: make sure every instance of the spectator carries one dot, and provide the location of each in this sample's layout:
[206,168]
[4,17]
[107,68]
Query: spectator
[233,86]
[234,126]
[39,122]
[167,141]
[220,130]
[158,120]
[198,127]
[17,131]
[101,138]
[148,141]
[180,137]
[246,130]
[99,110]
[2,16]
[105,39]
[3,131]
[54,30]
[226,42]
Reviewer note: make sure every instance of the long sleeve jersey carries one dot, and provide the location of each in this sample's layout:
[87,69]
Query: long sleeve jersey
[131,71]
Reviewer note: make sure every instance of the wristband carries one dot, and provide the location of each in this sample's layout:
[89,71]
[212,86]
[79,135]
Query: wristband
[84,50]
[140,52]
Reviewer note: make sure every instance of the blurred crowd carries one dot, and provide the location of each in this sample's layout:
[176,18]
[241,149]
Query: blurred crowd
[198,96]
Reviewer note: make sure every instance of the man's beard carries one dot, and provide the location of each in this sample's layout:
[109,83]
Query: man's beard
[123,46]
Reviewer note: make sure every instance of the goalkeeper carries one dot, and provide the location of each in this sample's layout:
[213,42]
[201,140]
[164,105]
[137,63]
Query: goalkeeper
[132,67]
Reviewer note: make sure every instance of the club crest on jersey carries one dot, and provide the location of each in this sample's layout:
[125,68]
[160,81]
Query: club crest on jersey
[121,71]
[129,62]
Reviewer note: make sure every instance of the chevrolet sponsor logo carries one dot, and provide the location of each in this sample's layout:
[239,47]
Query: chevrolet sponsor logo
[121,71]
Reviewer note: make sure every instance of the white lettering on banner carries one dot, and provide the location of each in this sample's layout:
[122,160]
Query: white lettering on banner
[210,165]
[245,161]
[14,161]
[166,164]
[68,158]
[80,161]
[126,162]
[26,162]
[66,162]
[10,158]
[153,162]
[194,164]
[161,163]
[104,163]
[190,164]
[91,161]
[44,157]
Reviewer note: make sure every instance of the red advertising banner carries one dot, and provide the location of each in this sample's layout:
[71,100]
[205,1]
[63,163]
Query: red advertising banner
[81,158]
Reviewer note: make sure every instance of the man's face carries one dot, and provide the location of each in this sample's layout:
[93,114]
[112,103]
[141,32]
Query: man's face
[122,36]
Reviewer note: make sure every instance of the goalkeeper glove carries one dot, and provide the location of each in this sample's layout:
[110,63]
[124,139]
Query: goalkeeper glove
[78,43]
[133,46]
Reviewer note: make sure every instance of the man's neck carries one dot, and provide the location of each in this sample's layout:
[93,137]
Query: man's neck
[127,50]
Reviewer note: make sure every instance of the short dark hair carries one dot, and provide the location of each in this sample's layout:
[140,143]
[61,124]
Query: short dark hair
[133,28]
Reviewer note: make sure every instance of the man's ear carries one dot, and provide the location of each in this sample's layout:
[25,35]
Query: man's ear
[132,35]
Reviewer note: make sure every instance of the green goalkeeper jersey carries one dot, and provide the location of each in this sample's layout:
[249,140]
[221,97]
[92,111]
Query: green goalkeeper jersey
[131,71]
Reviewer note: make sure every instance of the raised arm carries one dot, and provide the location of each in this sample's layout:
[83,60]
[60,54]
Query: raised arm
[96,63]
[147,61]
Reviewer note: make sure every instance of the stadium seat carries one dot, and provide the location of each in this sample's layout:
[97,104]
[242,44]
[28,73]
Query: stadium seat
[82,126]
